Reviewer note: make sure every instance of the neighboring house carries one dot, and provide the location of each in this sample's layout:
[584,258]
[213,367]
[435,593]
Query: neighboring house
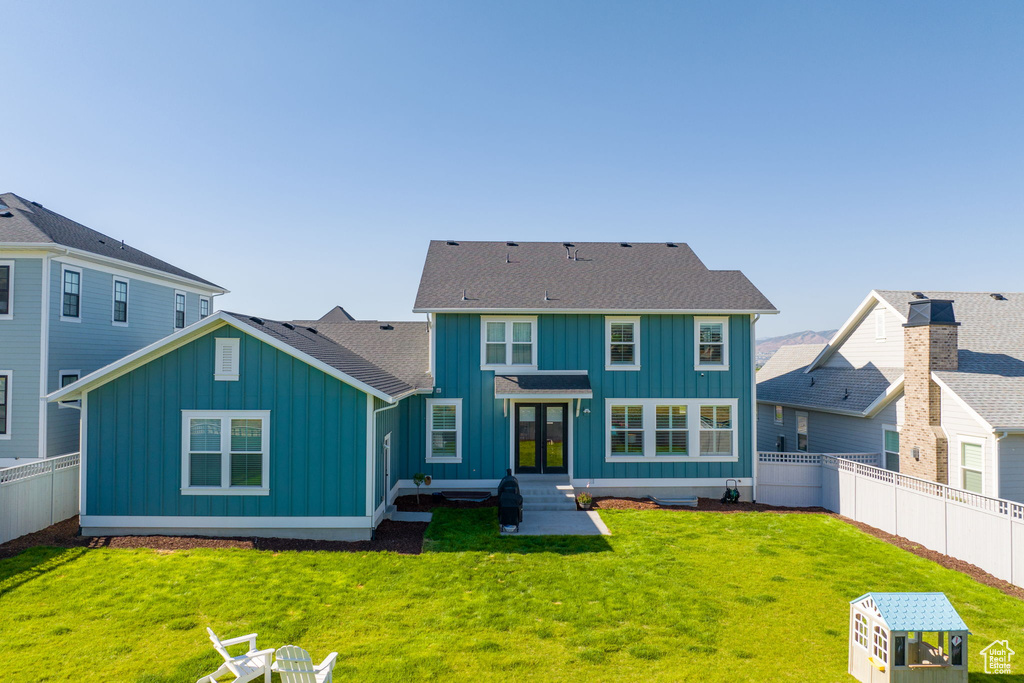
[934,381]
[626,368]
[73,300]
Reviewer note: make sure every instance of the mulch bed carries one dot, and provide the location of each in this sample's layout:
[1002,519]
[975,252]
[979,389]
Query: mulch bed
[428,501]
[405,538]
[703,505]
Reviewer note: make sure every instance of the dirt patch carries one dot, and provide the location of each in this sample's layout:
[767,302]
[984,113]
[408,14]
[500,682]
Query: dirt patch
[429,501]
[405,538]
[703,505]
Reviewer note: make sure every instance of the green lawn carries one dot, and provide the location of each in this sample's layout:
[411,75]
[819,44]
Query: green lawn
[670,596]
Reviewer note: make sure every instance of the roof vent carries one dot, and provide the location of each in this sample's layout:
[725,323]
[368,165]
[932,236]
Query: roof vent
[258,321]
[672,244]
[464,297]
[918,295]
[511,244]
[289,326]
[812,380]
[313,330]
[931,312]
[6,214]
[846,395]
[624,244]
[451,243]
[546,297]
[37,204]
[998,297]
[387,327]
[103,242]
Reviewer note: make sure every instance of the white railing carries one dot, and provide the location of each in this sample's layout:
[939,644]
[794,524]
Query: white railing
[35,495]
[985,531]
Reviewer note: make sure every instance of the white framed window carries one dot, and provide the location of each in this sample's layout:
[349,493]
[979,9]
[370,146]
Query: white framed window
[226,360]
[779,415]
[444,430]
[5,404]
[225,453]
[891,447]
[972,467]
[880,644]
[801,431]
[879,324]
[64,378]
[670,430]
[6,290]
[204,307]
[119,312]
[71,294]
[711,343]
[860,630]
[622,343]
[508,342]
[179,309]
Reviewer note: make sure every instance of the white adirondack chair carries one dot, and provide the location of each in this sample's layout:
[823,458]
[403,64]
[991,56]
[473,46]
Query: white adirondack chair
[295,665]
[247,667]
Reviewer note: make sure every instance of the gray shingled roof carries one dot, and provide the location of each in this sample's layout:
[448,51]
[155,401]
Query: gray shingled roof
[402,349]
[991,359]
[607,276]
[783,380]
[574,384]
[32,224]
[336,315]
[330,352]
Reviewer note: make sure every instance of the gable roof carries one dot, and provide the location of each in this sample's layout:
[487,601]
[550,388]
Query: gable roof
[851,391]
[503,276]
[916,611]
[31,223]
[297,341]
[336,315]
[402,349]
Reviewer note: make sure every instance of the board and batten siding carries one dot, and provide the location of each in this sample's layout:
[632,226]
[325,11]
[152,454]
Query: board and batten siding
[19,353]
[577,342]
[1011,467]
[317,435]
[828,432]
[388,421]
[863,348]
[96,342]
[960,427]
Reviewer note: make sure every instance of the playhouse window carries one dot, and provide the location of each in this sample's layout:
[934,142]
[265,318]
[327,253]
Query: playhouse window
[899,651]
[860,630]
[880,645]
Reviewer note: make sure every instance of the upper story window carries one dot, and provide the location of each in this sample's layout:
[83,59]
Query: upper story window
[225,453]
[778,415]
[179,310]
[64,378]
[444,430]
[6,290]
[622,350]
[508,342]
[204,307]
[71,304]
[5,404]
[712,343]
[120,302]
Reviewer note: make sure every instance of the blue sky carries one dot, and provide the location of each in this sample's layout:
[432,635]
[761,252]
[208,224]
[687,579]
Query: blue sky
[301,154]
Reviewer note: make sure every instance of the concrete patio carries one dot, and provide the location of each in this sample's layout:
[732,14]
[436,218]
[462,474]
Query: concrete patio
[561,523]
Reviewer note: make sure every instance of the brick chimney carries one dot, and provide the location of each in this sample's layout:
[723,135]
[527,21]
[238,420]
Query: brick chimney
[929,343]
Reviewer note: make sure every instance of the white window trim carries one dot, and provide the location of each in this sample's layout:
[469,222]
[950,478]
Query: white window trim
[724,320]
[209,307]
[9,374]
[608,322]
[81,288]
[61,374]
[225,453]
[184,311]
[888,428]
[508,320]
[867,622]
[127,301]
[457,402]
[780,415]
[650,428]
[879,324]
[970,439]
[218,344]
[9,315]
[807,422]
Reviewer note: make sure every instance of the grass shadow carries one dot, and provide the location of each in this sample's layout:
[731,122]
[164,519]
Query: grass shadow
[32,563]
[453,531]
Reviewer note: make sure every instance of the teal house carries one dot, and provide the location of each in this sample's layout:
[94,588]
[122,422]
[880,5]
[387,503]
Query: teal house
[621,368]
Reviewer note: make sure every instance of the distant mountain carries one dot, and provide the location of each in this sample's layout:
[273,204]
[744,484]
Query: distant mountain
[766,348]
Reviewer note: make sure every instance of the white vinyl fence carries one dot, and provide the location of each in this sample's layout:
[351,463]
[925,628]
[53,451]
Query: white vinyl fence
[36,495]
[986,532]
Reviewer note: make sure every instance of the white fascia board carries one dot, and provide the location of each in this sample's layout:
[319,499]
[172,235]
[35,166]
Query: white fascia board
[90,260]
[596,311]
[891,392]
[894,390]
[544,397]
[964,404]
[839,338]
[817,409]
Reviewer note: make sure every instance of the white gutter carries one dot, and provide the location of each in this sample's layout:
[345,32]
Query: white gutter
[599,311]
[753,406]
[371,454]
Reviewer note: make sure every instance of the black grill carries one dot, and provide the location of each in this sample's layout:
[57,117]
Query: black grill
[510,503]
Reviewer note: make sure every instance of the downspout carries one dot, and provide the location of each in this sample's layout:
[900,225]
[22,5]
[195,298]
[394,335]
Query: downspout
[753,406]
[995,462]
[372,465]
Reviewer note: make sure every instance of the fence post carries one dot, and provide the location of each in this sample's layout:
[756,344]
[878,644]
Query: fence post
[945,520]
[53,473]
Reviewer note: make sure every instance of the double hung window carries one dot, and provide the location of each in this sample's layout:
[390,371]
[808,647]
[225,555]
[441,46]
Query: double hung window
[225,453]
[508,342]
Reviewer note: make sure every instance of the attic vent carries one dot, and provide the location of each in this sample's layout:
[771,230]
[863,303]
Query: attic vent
[672,244]
[623,244]
[313,330]
[258,321]
[511,244]
[918,295]
[226,368]
[289,326]
[452,244]
[387,327]
[998,297]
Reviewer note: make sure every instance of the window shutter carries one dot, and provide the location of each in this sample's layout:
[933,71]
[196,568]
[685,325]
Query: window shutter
[226,360]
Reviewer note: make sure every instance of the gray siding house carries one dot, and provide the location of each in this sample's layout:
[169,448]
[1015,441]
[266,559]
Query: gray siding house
[73,300]
[932,380]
